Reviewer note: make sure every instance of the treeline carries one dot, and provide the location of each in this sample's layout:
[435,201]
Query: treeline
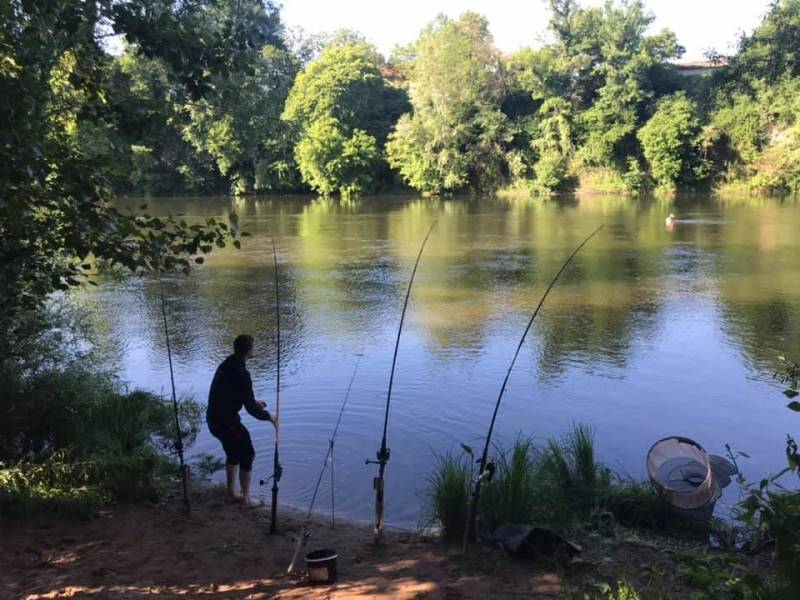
[217,97]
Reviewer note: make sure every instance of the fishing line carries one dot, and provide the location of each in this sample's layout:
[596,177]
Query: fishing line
[306,531]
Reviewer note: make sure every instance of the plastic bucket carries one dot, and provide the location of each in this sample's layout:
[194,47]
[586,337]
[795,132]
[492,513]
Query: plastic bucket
[321,565]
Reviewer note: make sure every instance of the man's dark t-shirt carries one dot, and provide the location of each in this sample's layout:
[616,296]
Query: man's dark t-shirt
[231,389]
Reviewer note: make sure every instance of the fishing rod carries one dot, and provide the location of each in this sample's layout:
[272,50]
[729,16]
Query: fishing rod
[486,469]
[178,434]
[383,453]
[305,531]
[277,468]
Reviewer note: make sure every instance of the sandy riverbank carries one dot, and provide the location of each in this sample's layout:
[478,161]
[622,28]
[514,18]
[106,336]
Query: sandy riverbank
[224,551]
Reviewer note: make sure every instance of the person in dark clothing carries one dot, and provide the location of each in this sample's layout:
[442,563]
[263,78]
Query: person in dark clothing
[231,389]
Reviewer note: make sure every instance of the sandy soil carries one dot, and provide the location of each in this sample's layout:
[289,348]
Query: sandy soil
[225,551]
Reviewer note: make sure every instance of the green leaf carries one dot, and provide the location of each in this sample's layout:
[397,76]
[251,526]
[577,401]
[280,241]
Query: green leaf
[795,406]
[199,260]
[791,393]
[237,244]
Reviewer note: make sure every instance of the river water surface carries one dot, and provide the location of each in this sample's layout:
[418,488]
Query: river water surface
[652,331]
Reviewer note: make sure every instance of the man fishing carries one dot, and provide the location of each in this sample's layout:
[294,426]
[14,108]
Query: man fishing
[231,389]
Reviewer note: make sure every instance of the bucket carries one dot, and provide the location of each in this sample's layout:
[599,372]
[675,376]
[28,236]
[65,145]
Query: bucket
[321,565]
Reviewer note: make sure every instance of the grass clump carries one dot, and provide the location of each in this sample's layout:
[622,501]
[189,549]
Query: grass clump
[555,486]
[638,504]
[558,485]
[446,498]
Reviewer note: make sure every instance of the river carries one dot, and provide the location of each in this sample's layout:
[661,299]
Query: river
[652,331]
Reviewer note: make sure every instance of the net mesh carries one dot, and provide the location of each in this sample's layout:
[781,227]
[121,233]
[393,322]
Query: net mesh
[680,468]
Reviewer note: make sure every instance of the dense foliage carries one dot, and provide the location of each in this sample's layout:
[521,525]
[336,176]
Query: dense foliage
[455,137]
[217,97]
[343,110]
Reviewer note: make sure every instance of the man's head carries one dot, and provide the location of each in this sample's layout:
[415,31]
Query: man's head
[243,345]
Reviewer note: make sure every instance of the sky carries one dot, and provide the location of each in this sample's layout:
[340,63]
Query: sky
[699,24]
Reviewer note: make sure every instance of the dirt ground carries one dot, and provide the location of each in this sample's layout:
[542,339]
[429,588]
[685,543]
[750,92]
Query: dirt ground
[225,551]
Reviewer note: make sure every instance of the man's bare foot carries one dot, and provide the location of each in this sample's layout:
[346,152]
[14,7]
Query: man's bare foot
[249,502]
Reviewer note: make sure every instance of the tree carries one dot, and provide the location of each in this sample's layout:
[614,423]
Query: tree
[553,144]
[628,58]
[604,74]
[668,139]
[334,162]
[153,158]
[55,210]
[343,95]
[456,136]
[239,125]
[234,71]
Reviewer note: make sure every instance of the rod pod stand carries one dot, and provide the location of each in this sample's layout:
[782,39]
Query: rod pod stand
[301,541]
[378,485]
[305,531]
[277,467]
[472,504]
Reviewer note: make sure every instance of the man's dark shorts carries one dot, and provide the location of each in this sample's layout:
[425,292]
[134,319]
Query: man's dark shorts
[236,442]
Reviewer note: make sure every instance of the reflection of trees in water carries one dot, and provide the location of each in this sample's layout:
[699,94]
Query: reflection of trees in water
[588,334]
[763,331]
[346,266]
[207,312]
[759,289]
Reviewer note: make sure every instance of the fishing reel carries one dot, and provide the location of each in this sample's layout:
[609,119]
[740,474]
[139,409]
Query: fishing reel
[488,472]
[382,456]
[276,476]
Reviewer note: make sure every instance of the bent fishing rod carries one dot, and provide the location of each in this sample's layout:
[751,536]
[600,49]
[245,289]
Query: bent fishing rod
[486,469]
[305,531]
[178,434]
[277,468]
[383,453]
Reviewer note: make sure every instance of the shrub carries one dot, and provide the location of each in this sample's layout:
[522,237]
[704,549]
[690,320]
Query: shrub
[668,139]
[72,437]
[61,484]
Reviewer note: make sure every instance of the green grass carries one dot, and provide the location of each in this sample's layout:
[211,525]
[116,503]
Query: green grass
[559,485]
[446,498]
[59,484]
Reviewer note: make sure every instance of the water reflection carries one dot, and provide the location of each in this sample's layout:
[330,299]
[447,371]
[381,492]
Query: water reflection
[652,331]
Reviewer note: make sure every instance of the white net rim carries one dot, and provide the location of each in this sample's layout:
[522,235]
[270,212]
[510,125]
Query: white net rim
[673,464]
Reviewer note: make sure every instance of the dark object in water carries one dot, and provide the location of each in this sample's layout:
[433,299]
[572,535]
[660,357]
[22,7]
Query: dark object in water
[485,470]
[383,452]
[535,543]
[322,567]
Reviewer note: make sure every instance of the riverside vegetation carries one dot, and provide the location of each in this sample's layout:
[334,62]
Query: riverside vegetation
[561,485]
[218,97]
